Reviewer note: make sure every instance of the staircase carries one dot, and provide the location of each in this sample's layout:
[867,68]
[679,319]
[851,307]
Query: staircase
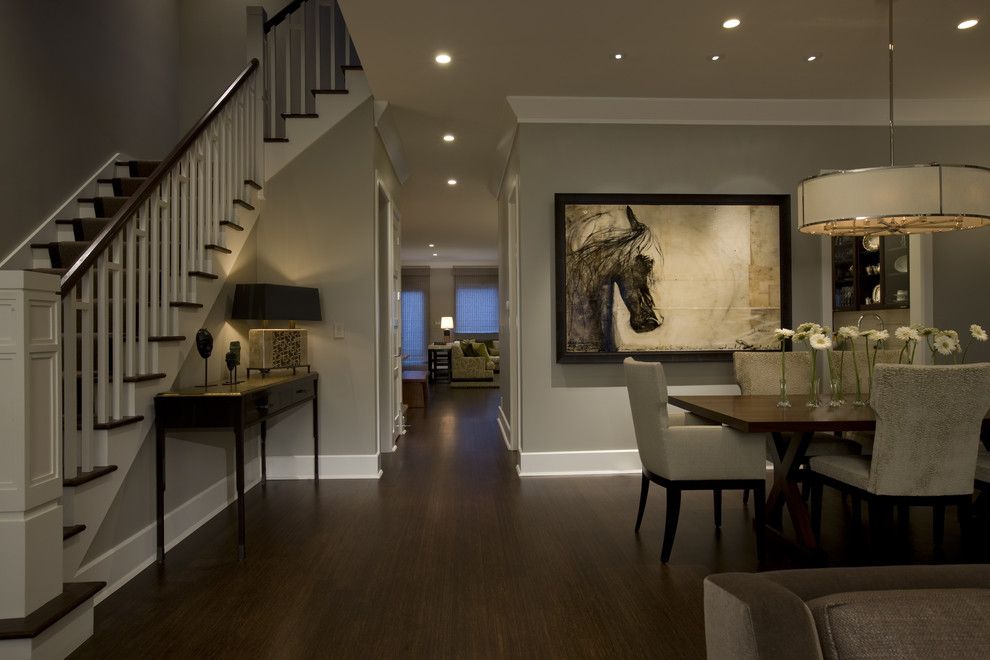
[144,260]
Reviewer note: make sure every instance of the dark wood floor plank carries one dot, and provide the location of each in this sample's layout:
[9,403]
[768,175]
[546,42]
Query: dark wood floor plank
[451,554]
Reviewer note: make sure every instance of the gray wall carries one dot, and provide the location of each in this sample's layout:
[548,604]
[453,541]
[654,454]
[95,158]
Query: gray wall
[441,301]
[213,46]
[584,407]
[81,81]
[510,180]
[318,229]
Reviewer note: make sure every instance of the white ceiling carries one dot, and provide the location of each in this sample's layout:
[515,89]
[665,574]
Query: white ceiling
[565,47]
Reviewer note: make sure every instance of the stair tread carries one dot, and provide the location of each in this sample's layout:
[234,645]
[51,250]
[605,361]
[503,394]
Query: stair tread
[252,183]
[329,91]
[276,139]
[204,275]
[233,225]
[241,202]
[183,303]
[68,531]
[352,67]
[164,338]
[299,115]
[217,248]
[139,168]
[86,477]
[73,595]
[136,378]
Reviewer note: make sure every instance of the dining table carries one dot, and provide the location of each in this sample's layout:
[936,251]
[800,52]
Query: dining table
[791,430]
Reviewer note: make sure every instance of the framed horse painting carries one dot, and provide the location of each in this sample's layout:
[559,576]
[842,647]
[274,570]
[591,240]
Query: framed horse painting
[670,277]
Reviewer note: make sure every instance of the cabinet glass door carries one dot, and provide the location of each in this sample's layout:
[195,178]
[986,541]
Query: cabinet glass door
[896,291]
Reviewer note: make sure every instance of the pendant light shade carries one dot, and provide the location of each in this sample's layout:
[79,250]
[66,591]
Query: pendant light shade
[908,199]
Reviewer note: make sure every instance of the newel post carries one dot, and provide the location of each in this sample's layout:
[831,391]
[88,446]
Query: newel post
[30,442]
[256,17]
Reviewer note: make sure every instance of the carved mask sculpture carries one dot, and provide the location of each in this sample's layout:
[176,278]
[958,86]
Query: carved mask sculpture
[235,348]
[231,359]
[204,343]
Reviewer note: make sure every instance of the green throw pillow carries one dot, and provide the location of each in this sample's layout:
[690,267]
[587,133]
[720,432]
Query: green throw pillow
[481,350]
[468,349]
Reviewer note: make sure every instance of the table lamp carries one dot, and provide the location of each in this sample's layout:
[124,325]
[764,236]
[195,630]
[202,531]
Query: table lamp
[446,324]
[277,348]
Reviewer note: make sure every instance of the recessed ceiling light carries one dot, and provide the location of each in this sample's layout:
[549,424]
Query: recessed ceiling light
[716,58]
[432,245]
[442,58]
[730,23]
[618,56]
[812,58]
[435,254]
[968,23]
[451,182]
[448,137]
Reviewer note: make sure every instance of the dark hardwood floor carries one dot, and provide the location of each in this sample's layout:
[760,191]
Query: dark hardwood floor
[451,554]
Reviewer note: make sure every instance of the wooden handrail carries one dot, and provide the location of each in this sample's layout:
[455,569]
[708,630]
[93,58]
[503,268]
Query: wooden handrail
[102,242]
[282,14]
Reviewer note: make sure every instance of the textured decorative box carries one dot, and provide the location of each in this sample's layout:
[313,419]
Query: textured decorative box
[271,348]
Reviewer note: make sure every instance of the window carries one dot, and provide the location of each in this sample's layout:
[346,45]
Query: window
[476,305]
[414,326]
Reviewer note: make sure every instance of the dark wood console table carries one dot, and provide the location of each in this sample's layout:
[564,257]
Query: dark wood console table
[234,407]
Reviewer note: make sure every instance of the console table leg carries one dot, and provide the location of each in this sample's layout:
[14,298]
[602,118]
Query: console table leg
[264,460]
[239,469]
[160,491]
[316,431]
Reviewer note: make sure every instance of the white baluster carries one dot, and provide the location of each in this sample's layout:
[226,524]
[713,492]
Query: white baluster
[117,304]
[86,371]
[154,264]
[130,297]
[143,274]
[102,338]
[166,262]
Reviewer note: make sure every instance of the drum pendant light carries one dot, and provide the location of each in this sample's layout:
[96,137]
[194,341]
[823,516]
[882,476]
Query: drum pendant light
[898,199]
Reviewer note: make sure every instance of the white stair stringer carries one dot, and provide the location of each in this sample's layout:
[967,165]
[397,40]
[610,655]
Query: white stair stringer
[302,132]
[90,503]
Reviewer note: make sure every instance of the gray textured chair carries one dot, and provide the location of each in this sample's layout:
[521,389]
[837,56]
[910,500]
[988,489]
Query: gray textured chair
[691,456]
[758,373]
[871,612]
[926,442]
[884,356]
[983,470]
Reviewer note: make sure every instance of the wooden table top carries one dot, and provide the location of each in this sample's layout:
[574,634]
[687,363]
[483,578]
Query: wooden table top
[243,387]
[760,414]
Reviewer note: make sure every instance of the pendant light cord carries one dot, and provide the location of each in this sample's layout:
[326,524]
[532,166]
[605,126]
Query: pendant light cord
[890,59]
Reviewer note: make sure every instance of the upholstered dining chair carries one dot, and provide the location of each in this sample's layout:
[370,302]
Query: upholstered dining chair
[759,373]
[691,456]
[926,442]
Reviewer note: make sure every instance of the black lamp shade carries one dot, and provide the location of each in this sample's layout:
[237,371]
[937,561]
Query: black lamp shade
[276,302]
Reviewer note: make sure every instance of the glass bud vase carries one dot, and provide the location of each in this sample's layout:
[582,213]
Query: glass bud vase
[783,401]
[814,394]
[837,398]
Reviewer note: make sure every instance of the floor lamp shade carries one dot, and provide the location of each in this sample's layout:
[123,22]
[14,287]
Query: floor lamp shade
[277,348]
[907,199]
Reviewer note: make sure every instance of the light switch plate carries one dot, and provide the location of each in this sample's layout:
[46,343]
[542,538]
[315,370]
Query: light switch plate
[338,331]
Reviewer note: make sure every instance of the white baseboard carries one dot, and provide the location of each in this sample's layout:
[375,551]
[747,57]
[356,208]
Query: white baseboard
[361,466]
[564,463]
[504,429]
[121,563]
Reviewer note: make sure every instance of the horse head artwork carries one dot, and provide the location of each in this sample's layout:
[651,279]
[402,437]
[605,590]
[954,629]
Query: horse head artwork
[608,250]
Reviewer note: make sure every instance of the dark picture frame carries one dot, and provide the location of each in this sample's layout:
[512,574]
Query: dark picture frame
[607,250]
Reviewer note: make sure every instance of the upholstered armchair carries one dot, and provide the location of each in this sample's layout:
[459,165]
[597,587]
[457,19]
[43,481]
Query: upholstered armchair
[689,457]
[926,442]
[465,369]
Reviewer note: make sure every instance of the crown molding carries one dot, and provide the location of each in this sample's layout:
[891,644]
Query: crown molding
[755,112]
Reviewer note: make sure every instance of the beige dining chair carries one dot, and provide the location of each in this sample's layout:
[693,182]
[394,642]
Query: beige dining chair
[692,456]
[758,373]
[926,442]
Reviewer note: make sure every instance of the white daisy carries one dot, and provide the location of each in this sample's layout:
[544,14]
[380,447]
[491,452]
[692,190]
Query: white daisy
[848,332]
[907,333]
[878,336]
[978,333]
[953,334]
[945,344]
[780,334]
[820,342]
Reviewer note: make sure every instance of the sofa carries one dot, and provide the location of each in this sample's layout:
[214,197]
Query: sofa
[470,371]
[839,613]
